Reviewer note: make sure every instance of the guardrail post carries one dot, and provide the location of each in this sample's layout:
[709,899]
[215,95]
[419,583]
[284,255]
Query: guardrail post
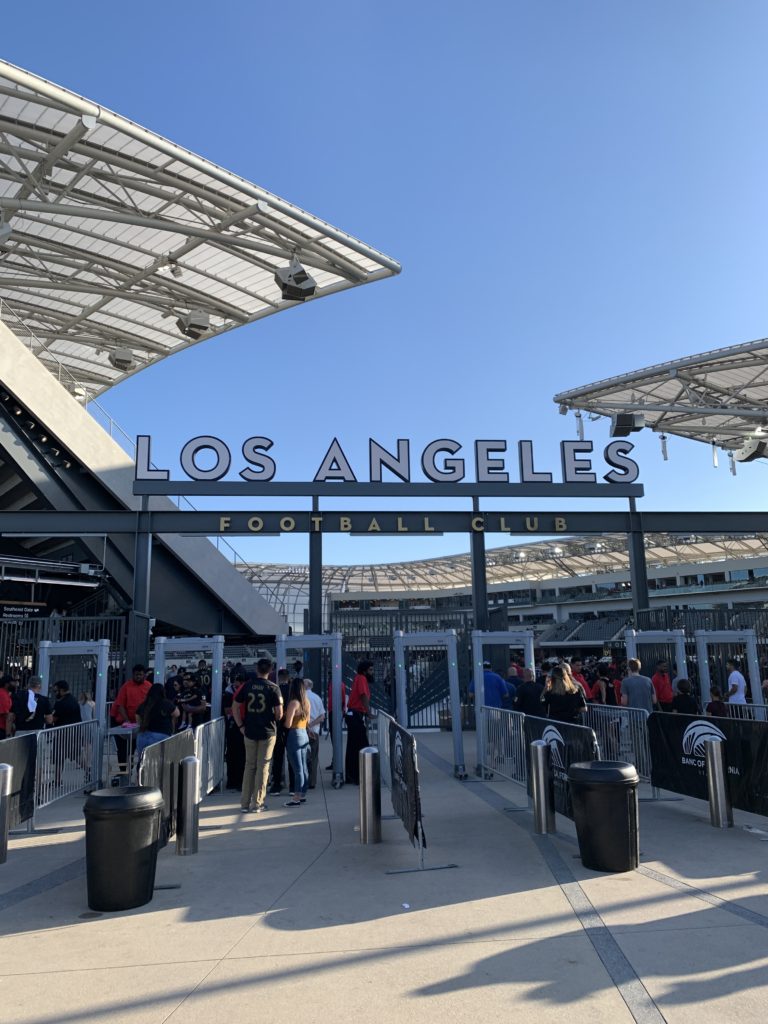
[720,809]
[542,789]
[189,807]
[370,796]
[6,779]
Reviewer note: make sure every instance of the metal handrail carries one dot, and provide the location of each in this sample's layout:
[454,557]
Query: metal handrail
[81,392]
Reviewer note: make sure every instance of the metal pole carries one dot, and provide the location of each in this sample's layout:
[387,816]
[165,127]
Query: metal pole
[6,779]
[189,807]
[370,796]
[459,768]
[542,788]
[479,680]
[336,688]
[630,639]
[755,680]
[479,579]
[312,669]
[138,623]
[720,810]
[401,702]
[638,570]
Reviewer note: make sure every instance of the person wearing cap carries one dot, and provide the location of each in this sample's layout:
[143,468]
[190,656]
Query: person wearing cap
[497,690]
[32,709]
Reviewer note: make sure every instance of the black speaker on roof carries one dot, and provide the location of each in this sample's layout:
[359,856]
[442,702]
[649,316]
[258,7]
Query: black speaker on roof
[753,449]
[625,423]
[294,282]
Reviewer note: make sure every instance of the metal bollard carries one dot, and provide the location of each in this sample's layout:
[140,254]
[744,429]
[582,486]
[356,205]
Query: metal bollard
[370,796]
[6,778]
[542,788]
[189,806]
[720,809]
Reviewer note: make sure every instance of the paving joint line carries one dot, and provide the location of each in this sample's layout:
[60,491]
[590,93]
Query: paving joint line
[622,974]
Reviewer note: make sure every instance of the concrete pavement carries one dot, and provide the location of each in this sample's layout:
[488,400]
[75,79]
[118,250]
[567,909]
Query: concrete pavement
[286,915]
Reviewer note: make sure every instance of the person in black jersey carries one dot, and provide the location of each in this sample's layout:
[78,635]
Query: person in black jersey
[256,710]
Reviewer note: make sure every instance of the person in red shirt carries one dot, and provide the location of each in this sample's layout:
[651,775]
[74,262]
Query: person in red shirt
[130,695]
[5,707]
[662,684]
[358,711]
[580,679]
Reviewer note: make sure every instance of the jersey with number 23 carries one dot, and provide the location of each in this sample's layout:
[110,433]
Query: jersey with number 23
[259,698]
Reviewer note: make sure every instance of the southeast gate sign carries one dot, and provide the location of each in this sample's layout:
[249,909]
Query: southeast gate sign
[208,458]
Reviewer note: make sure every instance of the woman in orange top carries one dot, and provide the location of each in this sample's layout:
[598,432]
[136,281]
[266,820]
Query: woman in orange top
[297,741]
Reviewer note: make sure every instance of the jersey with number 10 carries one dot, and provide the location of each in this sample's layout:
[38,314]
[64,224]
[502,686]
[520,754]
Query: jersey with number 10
[259,698]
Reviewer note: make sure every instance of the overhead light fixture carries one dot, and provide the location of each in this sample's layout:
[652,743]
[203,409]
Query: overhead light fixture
[751,450]
[563,409]
[5,230]
[17,411]
[731,463]
[194,324]
[294,282]
[664,454]
[625,423]
[715,459]
[176,270]
[122,359]
[579,426]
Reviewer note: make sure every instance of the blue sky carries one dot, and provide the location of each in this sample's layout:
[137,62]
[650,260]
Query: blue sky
[574,190]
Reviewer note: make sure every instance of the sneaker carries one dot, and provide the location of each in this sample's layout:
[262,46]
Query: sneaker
[293,803]
[261,808]
[246,810]
[303,800]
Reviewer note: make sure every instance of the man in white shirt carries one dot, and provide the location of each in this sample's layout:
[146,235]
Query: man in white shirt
[316,719]
[737,684]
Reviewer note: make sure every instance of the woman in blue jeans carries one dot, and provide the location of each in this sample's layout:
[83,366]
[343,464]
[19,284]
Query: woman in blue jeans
[156,717]
[297,742]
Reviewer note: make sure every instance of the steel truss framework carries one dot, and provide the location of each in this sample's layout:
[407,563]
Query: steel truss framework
[719,397]
[116,232]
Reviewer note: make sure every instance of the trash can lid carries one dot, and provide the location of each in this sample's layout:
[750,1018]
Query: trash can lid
[603,772]
[127,798]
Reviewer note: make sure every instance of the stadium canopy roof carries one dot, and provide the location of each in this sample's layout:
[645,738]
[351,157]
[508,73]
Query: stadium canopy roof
[519,563]
[719,397]
[115,233]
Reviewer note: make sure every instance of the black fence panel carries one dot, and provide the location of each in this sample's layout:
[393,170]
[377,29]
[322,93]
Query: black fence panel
[568,745]
[20,753]
[160,767]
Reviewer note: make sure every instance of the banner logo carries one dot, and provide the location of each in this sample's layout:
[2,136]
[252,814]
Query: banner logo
[554,738]
[397,762]
[695,735]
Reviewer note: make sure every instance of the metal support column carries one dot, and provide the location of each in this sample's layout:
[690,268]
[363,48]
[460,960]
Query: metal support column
[138,620]
[314,662]
[479,579]
[638,570]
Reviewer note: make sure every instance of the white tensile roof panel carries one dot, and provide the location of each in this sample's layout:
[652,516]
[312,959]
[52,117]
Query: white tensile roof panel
[117,232]
[719,397]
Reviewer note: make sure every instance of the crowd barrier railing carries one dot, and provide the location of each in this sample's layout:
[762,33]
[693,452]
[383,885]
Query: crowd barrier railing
[159,767]
[382,742]
[67,761]
[505,743]
[210,739]
[622,734]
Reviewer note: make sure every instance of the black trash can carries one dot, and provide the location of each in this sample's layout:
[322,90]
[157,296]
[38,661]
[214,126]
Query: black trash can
[122,834]
[604,795]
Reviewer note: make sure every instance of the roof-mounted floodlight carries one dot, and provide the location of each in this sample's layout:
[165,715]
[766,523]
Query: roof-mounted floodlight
[625,423]
[194,324]
[5,229]
[294,282]
[563,409]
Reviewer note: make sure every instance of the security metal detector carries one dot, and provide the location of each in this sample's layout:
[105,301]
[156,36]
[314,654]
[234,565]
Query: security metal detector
[316,642]
[98,649]
[211,645]
[671,637]
[492,638]
[706,637]
[446,639]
